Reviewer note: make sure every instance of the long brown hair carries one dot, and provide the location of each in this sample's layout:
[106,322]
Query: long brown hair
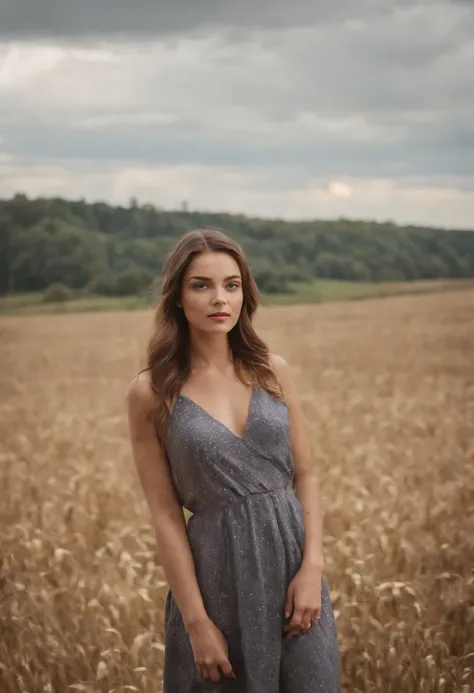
[168,353]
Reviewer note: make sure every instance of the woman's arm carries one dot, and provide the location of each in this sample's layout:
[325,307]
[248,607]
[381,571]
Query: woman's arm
[306,481]
[166,512]
[303,603]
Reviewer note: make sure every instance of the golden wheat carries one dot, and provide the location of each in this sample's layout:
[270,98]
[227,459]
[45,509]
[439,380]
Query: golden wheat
[388,389]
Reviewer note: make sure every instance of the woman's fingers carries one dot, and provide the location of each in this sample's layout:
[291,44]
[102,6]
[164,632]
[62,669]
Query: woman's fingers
[204,671]
[293,627]
[301,622]
[306,620]
[211,672]
[226,667]
[214,673]
[295,620]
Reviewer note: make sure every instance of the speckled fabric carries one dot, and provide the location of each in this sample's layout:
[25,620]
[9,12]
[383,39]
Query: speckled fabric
[246,536]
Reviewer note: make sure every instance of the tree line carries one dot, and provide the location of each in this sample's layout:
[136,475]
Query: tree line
[116,250]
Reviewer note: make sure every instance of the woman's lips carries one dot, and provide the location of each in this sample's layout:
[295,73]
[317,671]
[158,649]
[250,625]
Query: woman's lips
[219,317]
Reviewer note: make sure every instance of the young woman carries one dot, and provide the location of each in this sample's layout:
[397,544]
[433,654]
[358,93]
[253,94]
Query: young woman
[216,426]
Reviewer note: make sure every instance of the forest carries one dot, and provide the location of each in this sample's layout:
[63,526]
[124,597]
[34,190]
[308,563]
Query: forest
[119,251]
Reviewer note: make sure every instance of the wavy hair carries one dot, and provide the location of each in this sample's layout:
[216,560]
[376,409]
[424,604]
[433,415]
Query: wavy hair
[168,353]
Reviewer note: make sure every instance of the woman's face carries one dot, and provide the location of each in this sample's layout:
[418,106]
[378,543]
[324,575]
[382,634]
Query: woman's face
[212,284]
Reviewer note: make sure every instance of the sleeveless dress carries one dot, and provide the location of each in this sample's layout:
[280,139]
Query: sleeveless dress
[246,536]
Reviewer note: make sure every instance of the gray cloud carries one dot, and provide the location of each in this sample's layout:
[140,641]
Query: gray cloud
[365,89]
[344,97]
[50,18]
[435,150]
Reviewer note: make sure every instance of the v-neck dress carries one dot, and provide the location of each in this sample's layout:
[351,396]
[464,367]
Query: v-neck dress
[246,536]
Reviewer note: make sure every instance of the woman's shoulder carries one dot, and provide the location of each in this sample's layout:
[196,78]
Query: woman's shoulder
[139,392]
[279,365]
[283,372]
[277,361]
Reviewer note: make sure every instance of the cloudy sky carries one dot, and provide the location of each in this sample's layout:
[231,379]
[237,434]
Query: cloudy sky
[291,108]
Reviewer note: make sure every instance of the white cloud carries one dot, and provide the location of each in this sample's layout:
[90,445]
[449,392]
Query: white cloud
[339,189]
[290,193]
[22,64]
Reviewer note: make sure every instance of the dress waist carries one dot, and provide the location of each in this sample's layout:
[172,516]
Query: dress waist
[227,503]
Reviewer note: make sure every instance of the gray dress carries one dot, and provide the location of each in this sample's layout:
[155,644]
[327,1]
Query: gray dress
[246,536]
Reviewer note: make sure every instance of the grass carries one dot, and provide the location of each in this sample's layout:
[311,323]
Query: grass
[320,290]
[388,391]
[32,303]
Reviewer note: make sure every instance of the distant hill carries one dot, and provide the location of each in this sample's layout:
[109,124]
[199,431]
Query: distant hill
[110,250]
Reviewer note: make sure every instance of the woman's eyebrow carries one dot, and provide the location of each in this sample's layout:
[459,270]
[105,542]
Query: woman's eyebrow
[208,279]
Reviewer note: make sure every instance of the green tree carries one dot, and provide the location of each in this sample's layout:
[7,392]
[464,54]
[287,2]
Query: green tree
[270,278]
[6,238]
[132,280]
[48,240]
[434,267]
[331,266]
[103,284]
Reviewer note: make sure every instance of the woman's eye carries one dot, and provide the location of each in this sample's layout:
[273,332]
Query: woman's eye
[200,285]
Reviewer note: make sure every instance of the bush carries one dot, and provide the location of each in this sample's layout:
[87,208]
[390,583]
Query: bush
[132,280]
[271,278]
[57,293]
[104,284]
[360,272]
[273,284]
[434,267]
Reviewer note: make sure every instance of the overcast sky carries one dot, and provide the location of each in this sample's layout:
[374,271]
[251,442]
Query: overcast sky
[291,108]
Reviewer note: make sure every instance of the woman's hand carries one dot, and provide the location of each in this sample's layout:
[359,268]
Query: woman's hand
[303,602]
[210,651]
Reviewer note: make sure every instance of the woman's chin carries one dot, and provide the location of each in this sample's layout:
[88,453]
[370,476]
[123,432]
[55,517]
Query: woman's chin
[214,327]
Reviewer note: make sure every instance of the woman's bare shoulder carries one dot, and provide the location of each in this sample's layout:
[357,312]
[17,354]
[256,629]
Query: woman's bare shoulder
[284,374]
[139,391]
[279,365]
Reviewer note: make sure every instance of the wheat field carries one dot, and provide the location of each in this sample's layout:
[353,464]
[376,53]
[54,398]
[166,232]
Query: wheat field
[388,389]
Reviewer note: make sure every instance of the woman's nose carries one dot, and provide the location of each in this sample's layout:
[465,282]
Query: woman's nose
[219,298]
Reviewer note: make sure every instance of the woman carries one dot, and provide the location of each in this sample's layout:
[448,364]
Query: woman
[216,427]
